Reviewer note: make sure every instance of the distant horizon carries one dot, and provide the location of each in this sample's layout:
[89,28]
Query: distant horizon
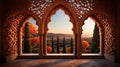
[70,34]
[61,33]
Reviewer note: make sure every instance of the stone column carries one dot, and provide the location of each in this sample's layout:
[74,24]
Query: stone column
[78,41]
[44,43]
[20,42]
[78,45]
[41,53]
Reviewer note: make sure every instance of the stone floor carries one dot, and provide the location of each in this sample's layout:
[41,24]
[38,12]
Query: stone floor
[60,63]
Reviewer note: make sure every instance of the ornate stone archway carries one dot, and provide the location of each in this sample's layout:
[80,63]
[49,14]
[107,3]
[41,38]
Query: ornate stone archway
[47,19]
[20,32]
[75,15]
[107,32]
[42,10]
[101,31]
[12,33]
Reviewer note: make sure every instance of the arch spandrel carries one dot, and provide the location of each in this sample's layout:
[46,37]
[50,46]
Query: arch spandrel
[80,7]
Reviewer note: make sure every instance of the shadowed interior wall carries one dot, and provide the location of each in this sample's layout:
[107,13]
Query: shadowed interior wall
[117,58]
[0,29]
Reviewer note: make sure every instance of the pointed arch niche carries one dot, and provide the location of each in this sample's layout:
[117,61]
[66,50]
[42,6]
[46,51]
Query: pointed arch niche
[32,45]
[46,29]
[60,38]
[92,41]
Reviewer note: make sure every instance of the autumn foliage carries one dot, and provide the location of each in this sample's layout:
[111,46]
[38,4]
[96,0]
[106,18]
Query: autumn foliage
[85,45]
[32,29]
[33,40]
[49,49]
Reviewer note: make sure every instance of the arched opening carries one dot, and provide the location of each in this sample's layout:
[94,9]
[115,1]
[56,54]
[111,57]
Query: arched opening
[29,37]
[91,37]
[60,38]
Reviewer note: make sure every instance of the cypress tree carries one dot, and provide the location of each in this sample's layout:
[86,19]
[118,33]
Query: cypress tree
[27,46]
[52,46]
[95,41]
[58,47]
[64,46]
[71,45]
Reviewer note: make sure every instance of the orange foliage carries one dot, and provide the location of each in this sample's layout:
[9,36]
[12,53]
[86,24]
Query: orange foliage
[34,41]
[49,49]
[68,49]
[32,29]
[85,44]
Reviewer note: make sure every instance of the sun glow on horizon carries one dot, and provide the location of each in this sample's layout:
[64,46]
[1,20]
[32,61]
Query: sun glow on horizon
[88,28]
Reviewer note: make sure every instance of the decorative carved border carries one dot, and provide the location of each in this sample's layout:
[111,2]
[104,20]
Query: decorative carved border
[109,33]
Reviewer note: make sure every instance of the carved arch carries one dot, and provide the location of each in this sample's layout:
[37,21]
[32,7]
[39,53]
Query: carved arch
[106,31]
[51,11]
[66,7]
[101,31]
[38,23]
[13,33]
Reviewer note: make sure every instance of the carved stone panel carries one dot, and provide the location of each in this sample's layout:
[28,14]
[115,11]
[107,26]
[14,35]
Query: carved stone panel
[10,33]
[81,7]
[109,33]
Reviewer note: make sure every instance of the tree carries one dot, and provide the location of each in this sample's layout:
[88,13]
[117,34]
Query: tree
[58,46]
[34,41]
[85,45]
[49,49]
[95,41]
[33,38]
[52,46]
[32,29]
[64,45]
[27,46]
[71,45]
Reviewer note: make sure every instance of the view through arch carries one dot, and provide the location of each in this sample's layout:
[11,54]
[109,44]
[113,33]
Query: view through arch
[30,37]
[60,39]
[90,37]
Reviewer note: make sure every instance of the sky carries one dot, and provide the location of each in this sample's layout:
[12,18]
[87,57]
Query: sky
[88,27]
[33,21]
[60,23]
